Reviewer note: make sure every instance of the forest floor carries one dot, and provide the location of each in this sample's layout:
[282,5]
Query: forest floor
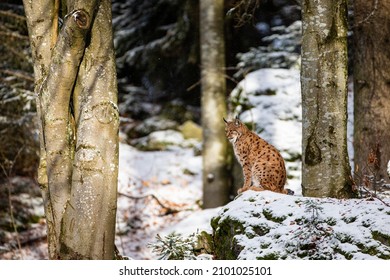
[156,191]
[161,191]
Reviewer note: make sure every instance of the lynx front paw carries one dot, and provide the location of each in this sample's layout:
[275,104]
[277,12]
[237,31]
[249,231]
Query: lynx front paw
[243,189]
[258,189]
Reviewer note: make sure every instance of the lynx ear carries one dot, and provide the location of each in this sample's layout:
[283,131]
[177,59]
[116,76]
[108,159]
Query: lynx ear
[237,121]
[225,120]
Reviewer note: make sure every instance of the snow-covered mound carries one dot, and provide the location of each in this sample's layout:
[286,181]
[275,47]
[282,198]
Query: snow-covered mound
[267,225]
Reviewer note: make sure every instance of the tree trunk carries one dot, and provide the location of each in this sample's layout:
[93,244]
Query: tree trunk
[79,142]
[216,187]
[325,164]
[372,89]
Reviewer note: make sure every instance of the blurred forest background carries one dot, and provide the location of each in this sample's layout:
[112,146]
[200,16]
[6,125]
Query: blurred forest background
[158,68]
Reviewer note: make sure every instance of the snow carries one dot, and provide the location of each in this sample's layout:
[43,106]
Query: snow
[273,96]
[196,222]
[388,168]
[160,192]
[346,226]
[173,177]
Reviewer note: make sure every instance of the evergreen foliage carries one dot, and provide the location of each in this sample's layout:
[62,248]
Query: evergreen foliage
[174,247]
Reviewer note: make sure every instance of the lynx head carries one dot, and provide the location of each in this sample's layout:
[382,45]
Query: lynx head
[234,129]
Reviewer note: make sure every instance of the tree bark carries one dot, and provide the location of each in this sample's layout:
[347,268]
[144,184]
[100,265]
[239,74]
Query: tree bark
[372,89]
[325,165]
[216,187]
[79,142]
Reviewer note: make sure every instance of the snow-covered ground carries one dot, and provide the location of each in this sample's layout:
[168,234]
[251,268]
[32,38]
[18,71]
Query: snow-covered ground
[160,191]
[161,188]
[273,96]
[174,175]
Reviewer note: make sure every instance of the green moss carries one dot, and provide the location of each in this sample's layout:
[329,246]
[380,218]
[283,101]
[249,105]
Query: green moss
[370,250]
[381,237]
[347,255]
[34,219]
[331,221]
[191,130]
[366,223]
[214,222]
[349,220]
[268,92]
[69,254]
[269,216]
[205,243]
[225,233]
[299,221]
[270,256]
[188,172]
[302,254]
[264,245]
[261,229]
[344,238]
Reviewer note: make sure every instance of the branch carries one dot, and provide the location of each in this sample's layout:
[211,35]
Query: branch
[375,196]
[169,209]
[11,211]
[18,74]
[368,17]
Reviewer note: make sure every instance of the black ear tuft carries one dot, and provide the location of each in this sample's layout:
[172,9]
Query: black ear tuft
[224,120]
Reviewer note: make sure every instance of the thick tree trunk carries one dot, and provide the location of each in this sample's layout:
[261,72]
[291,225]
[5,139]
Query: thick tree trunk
[216,187]
[325,167]
[79,143]
[39,26]
[372,89]
[92,206]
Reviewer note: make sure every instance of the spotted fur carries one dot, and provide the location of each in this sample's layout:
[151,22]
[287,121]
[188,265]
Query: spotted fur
[262,165]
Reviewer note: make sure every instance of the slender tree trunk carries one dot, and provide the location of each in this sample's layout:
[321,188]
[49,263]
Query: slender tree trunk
[325,167]
[216,187]
[79,142]
[372,89]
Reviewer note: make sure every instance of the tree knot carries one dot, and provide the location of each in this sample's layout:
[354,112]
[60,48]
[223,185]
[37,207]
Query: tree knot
[81,17]
[313,152]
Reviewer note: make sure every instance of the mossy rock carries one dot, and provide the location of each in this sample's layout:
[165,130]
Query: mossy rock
[266,225]
[149,125]
[191,130]
[159,140]
[226,246]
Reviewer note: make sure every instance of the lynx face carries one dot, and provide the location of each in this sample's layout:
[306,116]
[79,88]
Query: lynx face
[233,130]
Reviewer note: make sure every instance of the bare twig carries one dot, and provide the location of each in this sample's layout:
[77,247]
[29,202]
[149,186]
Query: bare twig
[369,16]
[10,14]
[375,196]
[169,209]
[11,211]
[13,35]
[243,11]
[18,74]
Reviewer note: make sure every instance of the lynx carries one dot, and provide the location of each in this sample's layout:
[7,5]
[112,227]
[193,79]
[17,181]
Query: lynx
[262,165]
